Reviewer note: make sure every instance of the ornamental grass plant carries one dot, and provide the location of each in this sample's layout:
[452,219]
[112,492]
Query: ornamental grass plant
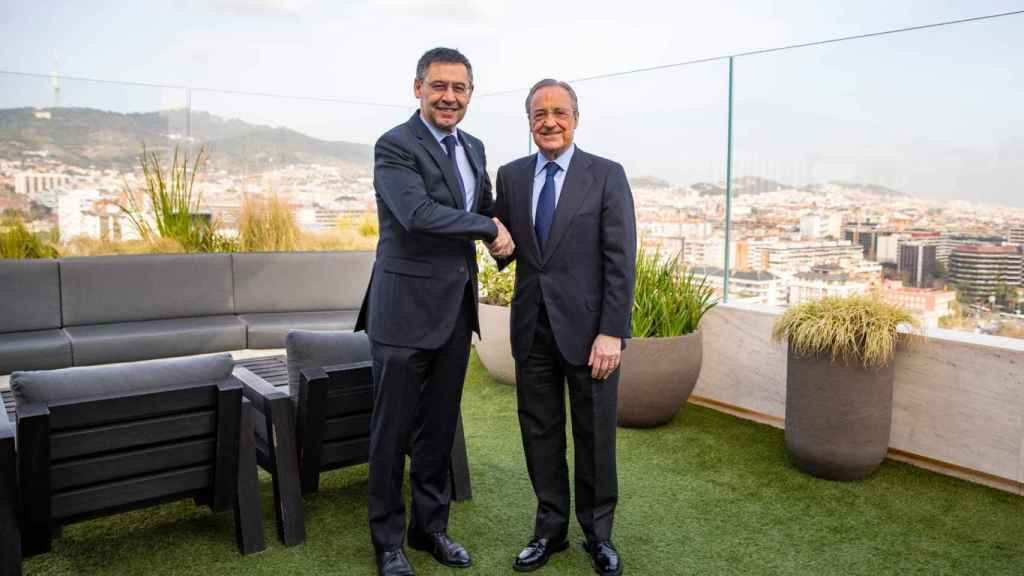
[858,329]
[669,299]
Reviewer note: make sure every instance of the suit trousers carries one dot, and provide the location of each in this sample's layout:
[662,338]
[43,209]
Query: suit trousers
[417,400]
[540,390]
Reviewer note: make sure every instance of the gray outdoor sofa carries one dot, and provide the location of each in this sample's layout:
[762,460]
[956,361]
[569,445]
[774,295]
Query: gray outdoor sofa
[99,310]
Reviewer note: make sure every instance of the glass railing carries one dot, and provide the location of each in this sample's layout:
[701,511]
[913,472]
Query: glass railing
[887,164]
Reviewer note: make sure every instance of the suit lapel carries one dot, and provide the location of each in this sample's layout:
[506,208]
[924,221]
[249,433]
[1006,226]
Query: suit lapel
[524,202]
[433,147]
[574,190]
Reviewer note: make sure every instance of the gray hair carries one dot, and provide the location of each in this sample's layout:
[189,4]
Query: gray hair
[445,56]
[548,82]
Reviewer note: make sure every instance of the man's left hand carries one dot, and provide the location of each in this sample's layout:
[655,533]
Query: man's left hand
[604,356]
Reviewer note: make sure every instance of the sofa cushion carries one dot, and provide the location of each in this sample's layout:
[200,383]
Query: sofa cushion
[269,330]
[128,341]
[111,379]
[31,295]
[300,281]
[36,350]
[310,349]
[107,289]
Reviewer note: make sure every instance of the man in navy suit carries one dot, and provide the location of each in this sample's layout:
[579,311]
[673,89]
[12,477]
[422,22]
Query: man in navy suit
[433,200]
[571,217]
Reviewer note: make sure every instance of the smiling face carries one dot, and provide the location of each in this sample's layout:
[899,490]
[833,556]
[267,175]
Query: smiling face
[444,94]
[553,120]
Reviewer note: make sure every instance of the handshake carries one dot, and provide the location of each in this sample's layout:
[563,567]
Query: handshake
[502,246]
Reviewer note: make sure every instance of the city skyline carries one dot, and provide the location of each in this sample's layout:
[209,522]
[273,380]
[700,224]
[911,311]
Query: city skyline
[931,112]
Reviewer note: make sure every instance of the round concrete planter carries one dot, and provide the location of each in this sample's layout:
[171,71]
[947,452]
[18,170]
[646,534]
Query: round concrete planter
[658,375]
[495,349]
[838,417]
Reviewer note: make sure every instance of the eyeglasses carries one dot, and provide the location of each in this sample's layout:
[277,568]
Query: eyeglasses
[459,88]
[559,114]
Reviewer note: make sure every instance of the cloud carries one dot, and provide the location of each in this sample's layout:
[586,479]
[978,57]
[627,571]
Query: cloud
[261,7]
[476,10]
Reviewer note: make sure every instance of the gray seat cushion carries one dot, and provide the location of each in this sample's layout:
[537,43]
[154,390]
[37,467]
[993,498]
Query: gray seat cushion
[309,349]
[269,330]
[31,295]
[128,341]
[112,379]
[37,350]
[107,289]
[300,281]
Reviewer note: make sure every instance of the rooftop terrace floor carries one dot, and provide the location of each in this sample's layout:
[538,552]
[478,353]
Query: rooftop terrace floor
[708,494]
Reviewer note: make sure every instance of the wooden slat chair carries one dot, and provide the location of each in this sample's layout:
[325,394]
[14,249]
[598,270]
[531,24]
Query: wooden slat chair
[94,441]
[10,537]
[321,422]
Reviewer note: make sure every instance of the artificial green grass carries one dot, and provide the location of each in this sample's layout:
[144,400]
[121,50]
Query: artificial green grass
[707,494]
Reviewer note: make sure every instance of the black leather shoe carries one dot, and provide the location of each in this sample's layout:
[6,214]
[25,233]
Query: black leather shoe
[536,554]
[393,563]
[441,547]
[604,558]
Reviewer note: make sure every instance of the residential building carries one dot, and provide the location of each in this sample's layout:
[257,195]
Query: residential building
[917,263]
[928,304]
[823,282]
[977,270]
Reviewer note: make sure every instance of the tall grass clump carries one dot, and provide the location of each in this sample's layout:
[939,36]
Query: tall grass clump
[17,242]
[670,299]
[169,204]
[853,329]
[267,225]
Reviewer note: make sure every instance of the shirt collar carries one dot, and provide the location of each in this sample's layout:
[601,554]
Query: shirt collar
[562,160]
[437,133]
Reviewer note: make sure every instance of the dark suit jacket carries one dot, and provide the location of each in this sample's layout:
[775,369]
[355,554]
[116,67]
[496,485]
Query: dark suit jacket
[586,273]
[425,254]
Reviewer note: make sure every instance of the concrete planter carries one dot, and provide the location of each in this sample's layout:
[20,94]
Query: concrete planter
[658,375]
[495,349]
[838,417]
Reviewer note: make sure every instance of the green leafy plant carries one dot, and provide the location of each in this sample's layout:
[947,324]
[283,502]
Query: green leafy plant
[173,204]
[17,242]
[853,329]
[669,299]
[495,287]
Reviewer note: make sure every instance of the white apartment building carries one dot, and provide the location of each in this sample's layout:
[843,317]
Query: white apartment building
[86,213]
[789,258]
[821,226]
[823,282]
[750,287]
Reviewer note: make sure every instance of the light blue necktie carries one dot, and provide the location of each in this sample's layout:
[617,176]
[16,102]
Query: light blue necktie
[546,205]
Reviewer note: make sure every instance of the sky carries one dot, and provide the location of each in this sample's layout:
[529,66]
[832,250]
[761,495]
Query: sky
[932,112]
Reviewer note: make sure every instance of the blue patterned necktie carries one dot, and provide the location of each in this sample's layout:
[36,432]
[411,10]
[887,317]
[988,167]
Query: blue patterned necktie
[546,205]
[449,145]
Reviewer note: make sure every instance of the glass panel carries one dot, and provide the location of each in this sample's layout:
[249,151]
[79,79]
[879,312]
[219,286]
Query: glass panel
[500,121]
[889,164]
[668,129]
[290,173]
[68,149]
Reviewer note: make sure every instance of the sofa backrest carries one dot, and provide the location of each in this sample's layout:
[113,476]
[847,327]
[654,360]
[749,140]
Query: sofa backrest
[300,281]
[124,378]
[106,289]
[29,295]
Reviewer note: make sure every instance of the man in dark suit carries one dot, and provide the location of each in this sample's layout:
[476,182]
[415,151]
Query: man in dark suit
[571,216]
[433,200]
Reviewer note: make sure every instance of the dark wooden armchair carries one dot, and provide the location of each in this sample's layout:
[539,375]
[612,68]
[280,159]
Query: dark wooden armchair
[321,421]
[95,441]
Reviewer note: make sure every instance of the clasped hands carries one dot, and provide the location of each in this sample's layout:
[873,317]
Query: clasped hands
[502,246]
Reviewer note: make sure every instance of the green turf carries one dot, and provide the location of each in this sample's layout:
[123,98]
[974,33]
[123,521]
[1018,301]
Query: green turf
[708,494]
